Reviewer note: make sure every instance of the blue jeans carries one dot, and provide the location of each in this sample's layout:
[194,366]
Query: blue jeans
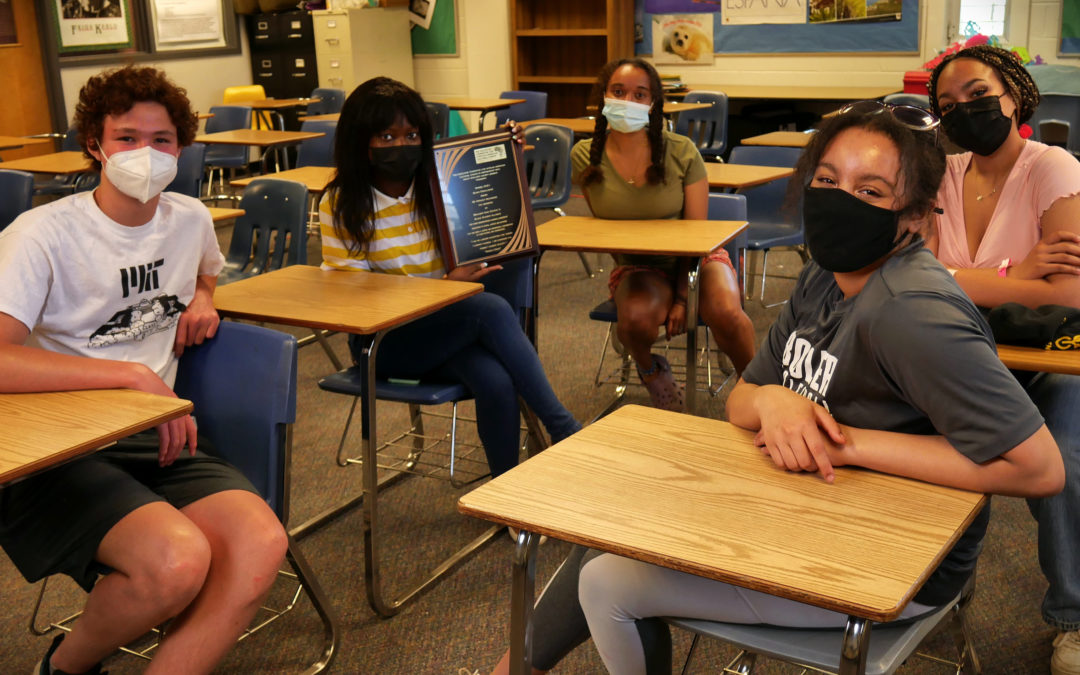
[1058,399]
[479,342]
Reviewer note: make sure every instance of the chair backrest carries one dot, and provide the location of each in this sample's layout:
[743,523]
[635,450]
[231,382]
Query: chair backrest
[241,93]
[547,164]
[317,151]
[243,385]
[227,118]
[440,118]
[16,194]
[1057,121]
[706,127]
[70,143]
[725,206]
[917,100]
[189,171]
[330,101]
[765,202]
[534,107]
[272,233]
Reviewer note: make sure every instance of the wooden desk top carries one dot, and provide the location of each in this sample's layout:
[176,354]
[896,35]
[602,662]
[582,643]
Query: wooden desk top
[67,162]
[578,125]
[1040,360]
[260,137]
[671,107]
[316,178]
[13,142]
[218,214]
[328,117]
[204,116]
[478,104]
[806,93]
[694,494]
[281,103]
[743,175]
[43,429]
[787,139]
[645,237]
[352,302]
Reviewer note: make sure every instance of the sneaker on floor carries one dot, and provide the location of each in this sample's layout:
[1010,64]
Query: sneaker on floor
[1066,658]
[664,392]
[43,668]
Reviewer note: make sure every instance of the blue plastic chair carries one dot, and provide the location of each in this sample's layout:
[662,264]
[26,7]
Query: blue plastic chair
[890,645]
[1057,121]
[16,195]
[220,157]
[706,127]
[534,107]
[330,101]
[317,151]
[440,118]
[189,171]
[243,386]
[770,227]
[272,232]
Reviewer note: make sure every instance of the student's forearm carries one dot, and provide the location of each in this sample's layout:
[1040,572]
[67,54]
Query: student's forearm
[740,406]
[1031,469]
[987,289]
[28,369]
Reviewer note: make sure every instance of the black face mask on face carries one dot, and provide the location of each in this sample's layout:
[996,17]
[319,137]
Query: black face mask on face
[978,125]
[396,163]
[844,233]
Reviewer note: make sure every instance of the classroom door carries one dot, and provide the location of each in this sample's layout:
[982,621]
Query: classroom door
[25,107]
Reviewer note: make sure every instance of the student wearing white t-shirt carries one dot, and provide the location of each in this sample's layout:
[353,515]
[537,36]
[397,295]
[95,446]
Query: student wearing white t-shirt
[103,290]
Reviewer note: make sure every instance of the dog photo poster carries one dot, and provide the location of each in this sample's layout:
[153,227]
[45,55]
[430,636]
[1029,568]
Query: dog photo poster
[682,38]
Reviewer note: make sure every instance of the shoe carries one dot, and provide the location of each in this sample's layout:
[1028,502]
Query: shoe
[43,668]
[664,392]
[513,532]
[1066,658]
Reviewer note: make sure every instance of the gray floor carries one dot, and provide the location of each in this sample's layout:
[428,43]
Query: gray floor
[463,621]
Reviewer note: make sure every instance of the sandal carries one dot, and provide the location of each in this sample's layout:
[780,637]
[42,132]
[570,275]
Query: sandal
[664,392]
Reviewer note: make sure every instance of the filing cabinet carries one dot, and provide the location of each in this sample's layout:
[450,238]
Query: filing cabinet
[354,45]
[283,53]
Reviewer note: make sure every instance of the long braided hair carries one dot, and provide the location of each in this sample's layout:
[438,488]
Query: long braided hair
[655,173]
[1018,82]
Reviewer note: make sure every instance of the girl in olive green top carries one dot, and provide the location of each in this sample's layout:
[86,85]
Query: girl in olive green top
[633,169]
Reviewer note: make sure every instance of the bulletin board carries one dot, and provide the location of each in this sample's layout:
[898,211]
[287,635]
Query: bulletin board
[440,39]
[1070,28]
[886,36]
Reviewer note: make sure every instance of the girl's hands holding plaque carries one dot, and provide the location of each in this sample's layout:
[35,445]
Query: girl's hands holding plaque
[474,272]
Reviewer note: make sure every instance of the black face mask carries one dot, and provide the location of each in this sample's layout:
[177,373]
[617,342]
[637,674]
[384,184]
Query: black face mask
[844,233]
[978,125]
[396,163]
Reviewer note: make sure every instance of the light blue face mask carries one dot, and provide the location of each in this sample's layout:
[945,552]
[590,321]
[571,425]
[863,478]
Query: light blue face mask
[626,116]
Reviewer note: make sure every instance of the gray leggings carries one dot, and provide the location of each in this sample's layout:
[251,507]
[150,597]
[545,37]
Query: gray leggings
[559,624]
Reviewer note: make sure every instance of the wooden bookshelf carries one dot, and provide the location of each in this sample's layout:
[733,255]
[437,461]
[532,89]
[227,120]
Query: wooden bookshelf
[559,46]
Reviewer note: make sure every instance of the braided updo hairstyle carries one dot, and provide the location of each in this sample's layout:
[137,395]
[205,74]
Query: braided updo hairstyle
[655,173]
[1016,78]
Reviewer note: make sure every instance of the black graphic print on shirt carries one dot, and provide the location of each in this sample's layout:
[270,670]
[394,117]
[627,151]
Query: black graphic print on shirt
[144,318]
[808,371]
[140,278]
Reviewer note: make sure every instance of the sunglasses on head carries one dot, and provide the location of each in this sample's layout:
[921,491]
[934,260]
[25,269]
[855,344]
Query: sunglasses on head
[912,117]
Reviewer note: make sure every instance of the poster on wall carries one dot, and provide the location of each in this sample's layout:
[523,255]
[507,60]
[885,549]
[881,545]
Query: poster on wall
[682,38]
[746,13]
[7,24]
[186,24]
[1070,28]
[92,25]
[830,11]
[421,11]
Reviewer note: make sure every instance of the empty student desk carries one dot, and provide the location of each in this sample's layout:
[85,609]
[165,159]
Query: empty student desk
[689,238]
[316,178]
[14,142]
[786,139]
[367,304]
[740,176]
[41,430]
[267,108]
[796,93]
[218,214]
[480,105]
[59,163]
[267,139]
[578,125]
[686,492]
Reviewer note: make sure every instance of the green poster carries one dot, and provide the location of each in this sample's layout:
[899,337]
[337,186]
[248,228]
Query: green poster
[1070,27]
[441,37]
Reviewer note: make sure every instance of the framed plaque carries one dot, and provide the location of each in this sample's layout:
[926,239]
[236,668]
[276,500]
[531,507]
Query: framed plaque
[482,199]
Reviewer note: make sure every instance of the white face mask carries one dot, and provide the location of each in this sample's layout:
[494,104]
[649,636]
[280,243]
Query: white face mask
[141,174]
[626,116]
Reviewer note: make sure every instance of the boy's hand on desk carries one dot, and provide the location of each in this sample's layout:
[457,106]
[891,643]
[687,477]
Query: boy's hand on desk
[796,433]
[474,272]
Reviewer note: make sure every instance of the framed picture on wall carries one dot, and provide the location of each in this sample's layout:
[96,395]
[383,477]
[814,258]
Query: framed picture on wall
[92,25]
[7,24]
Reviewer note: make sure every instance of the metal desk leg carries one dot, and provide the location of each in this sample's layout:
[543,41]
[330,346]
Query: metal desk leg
[521,608]
[855,646]
[691,337]
[483,114]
